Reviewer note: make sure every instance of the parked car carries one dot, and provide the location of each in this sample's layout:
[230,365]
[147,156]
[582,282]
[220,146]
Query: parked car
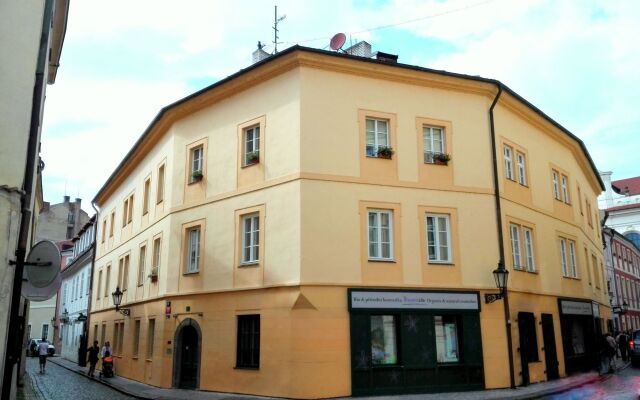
[33,348]
[634,348]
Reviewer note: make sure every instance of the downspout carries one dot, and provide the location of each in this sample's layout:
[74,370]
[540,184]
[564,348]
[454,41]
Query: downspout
[501,263]
[93,266]
[16,323]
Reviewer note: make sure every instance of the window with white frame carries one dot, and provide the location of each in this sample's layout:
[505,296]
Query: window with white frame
[193,249]
[250,238]
[522,171]
[565,189]
[141,264]
[251,145]
[529,258]
[380,224]
[508,162]
[438,238]
[572,258]
[377,135]
[196,163]
[516,256]
[433,142]
[556,185]
[563,257]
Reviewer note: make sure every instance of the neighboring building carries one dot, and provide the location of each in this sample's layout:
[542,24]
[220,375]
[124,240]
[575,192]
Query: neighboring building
[621,201]
[41,315]
[75,294]
[623,269]
[31,37]
[61,221]
[268,241]
[66,255]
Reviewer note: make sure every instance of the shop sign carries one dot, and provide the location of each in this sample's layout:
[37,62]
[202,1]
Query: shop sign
[414,300]
[576,307]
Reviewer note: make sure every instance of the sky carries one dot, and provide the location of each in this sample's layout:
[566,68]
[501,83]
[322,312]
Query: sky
[122,61]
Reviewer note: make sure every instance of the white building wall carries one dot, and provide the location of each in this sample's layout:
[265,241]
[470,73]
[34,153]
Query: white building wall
[75,300]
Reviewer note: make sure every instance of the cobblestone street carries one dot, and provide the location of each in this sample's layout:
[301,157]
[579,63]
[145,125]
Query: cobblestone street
[623,385]
[60,383]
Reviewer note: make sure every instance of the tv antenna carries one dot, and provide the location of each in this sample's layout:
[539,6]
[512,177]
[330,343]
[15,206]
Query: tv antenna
[337,41]
[276,19]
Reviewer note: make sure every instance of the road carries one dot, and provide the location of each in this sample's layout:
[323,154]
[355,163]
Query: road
[60,383]
[623,385]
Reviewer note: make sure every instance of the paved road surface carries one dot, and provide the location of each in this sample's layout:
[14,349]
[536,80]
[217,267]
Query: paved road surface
[623,385]
[60,383]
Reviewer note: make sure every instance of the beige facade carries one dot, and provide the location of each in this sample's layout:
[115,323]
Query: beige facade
[286,237]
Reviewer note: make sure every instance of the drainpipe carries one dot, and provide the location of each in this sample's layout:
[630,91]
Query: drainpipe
[501,263]
[93,267]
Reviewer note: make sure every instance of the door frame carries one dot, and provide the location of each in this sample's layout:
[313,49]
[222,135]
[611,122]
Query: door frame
[177,351]
[549,343]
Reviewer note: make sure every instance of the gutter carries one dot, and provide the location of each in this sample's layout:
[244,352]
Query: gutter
[501,263]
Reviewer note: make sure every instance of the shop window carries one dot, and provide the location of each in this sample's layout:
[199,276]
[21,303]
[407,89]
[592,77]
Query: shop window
[248,341]
[577,338]
[447,338]
[384,346]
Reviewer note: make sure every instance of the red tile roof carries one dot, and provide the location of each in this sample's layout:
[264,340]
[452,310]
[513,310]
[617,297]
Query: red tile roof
[633,184]
[623,207]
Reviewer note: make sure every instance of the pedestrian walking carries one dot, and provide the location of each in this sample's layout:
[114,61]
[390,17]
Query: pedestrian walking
[93,353]
[623,345]
[43,351]
[106,349]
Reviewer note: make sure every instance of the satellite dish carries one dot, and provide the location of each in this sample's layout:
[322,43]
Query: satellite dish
[42,270]
[337,41]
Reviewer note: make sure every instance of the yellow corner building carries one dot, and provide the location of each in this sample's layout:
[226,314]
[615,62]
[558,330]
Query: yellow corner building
[322,225]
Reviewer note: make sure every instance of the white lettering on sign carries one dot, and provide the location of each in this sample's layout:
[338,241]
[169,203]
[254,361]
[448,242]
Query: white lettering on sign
[415,300]
[576,307]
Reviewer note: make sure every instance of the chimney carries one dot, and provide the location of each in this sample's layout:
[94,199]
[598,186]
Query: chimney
[360,49]
[608,194]
[386,57]
[260,54]
[66,199]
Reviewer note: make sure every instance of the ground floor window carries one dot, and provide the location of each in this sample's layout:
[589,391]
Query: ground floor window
[384,347]
[447,346]
[577,338]
[248,342]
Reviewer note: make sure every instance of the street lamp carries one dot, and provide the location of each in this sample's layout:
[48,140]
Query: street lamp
[117,298]
[501,276]
[625,307]
[65,316]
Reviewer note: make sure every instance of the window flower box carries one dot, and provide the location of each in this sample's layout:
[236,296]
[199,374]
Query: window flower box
[385,152]
[196,176]
[441,158]
[253,158]
[154,274]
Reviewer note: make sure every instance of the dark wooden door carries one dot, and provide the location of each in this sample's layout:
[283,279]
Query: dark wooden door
[189,358]
[524,340]
[550,355]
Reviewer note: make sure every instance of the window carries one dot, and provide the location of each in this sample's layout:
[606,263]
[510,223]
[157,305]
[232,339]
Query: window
[136,338]
[106,281]
[438,238]
[565,189]
[376,135]
[250,238]
[123,273]
[193,250]
[145,196]
[433,143]
[589,221]
[380,235]
[99,284]
[104,230]
[118,338]
[251,145]
[113,223]
[580,201]
[384,346]
[130,212]
[508,162]
[528,250]
[156,254]
[125,211]
[248,342]
[45,331]
[596,272]
[141,264]
[515,246]
[196,163]
[447,334]
[103,333]
[572,258]
[160,190]
[522,171]
[556,187]
[151,337]
[563,257]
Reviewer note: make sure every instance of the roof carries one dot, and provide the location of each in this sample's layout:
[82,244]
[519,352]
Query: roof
[632,184]
[297,48]
[623,207]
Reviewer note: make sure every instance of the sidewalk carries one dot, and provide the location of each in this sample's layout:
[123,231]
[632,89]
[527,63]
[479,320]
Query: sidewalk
[142,391]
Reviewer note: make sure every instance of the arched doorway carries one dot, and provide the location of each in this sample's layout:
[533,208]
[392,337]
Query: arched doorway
[186,359]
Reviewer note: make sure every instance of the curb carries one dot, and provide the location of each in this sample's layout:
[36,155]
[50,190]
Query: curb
[102,381]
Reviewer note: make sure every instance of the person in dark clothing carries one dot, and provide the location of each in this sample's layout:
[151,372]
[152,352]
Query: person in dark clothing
[93,353]
[623,345]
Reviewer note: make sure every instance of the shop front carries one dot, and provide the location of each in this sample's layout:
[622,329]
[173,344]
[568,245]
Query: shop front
[581,329]
[414,341]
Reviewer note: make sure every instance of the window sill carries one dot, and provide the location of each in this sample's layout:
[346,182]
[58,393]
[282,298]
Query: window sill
[194,182]
[191,273]
[148,359]
[375,260]
[249,264]
[443,263]
[380,158]
[247,368]
[524,185]
[250,165]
